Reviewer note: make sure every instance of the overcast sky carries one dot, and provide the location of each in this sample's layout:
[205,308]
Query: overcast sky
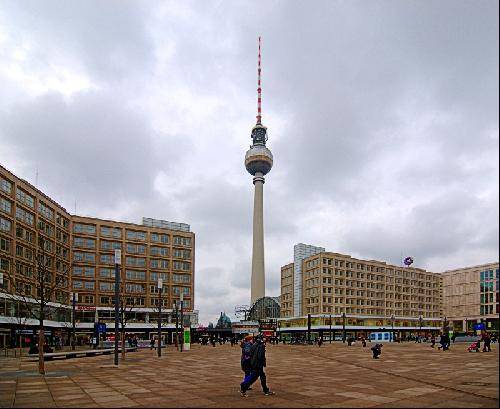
[382,118]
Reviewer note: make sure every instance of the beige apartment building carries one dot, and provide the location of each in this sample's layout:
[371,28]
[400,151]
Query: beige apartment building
[286,298]
[471,295]
[82,248]
[336,283]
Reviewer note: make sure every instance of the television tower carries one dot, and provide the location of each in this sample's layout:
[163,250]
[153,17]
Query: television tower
[258,162]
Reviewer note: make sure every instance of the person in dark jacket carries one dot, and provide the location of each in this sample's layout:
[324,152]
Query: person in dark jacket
[257,364]
[377,350]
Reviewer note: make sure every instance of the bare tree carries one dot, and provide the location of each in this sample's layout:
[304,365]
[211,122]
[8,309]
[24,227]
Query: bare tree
[127,305]
[39,293]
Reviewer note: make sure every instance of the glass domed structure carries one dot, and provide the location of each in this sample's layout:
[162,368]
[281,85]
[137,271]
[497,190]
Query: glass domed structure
[265,308]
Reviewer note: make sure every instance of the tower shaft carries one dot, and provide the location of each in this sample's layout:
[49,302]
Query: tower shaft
[258,273]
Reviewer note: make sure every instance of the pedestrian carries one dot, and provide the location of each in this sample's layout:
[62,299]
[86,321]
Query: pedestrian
[349,341]
[320,341]
[433,341]
[257,364]
[376,350]
[487,342]
[453,337]
[246,348]
[151,343]
[363,341]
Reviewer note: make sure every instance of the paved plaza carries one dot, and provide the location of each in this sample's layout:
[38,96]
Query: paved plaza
[335,375]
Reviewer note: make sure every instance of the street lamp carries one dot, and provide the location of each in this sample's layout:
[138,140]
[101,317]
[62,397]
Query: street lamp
[420,325]
[182,321]
[73,335]
[343,327]
[176,325]
[160,286]
[330,328]
[392,326]
[118,261]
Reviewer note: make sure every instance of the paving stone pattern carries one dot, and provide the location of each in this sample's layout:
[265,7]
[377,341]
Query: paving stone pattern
[335,375]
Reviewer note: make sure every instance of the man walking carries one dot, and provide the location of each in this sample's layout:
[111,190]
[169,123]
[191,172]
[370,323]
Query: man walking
[257,364]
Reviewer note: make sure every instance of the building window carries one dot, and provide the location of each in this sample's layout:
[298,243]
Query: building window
[106,273]
[85,243]
[84,271]
[135,261]
[103,286]
[114,232]
[5,205]
[84,228]
[183,278]
[135,288]
[110,245]
[5,225]
[89,285]
[182,241]
[159,251]
[25,216]
[136,248]
[181,265]
[5,185]
[163,276]
[107,259]
[159,238]
[154,263]
[25,198]
[79,256]
[185,290]
[135,235]
[135,275]
[45,210]
[77,284]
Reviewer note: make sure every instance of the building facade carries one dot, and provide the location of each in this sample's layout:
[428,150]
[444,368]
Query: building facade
[300,252]
[83,249]
[337,283]
[286,298]
[471,295]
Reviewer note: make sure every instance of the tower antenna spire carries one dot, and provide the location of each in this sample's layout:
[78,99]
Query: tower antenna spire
[259,90]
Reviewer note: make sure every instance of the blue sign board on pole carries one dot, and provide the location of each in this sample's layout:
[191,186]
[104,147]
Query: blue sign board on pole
[480,326]
[101,328]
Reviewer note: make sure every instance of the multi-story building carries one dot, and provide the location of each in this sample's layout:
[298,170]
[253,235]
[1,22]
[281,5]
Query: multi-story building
[83,249]
[300,252]
[337,283]
[286,298]
[471,295]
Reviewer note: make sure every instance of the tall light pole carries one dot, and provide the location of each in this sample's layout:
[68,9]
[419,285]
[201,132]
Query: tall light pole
[160,285]
[392,326]
[343,327]
[73,334]
[118,261]
[330,328]
[420,324]
[176,325]
[182,321]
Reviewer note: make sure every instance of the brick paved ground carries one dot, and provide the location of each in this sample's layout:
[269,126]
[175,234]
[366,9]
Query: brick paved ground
[407,375]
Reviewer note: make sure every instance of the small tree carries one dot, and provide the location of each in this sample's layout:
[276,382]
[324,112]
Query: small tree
[126,306]
[38,291]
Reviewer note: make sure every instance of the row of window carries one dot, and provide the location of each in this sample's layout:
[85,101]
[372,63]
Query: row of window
[129,287]
[116,232]
[487,275]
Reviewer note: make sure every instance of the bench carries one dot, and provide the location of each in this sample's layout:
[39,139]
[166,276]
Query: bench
[82,353]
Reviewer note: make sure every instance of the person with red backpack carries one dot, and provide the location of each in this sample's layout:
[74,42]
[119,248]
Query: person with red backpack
[246,347]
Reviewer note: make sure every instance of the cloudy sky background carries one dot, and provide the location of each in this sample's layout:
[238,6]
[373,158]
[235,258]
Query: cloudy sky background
[382,118]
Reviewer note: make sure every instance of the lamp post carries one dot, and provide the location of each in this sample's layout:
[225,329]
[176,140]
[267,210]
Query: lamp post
[182,321]
[392,326]
[330,328]
[160,286]
[118,261]
[73,333]
[309,329]
[343,327]
[420,325]
[176,338]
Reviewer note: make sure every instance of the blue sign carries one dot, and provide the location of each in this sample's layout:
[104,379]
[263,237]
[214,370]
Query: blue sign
[100,328]
[478,327]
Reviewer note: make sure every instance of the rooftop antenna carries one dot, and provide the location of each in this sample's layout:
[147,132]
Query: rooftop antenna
[259,90]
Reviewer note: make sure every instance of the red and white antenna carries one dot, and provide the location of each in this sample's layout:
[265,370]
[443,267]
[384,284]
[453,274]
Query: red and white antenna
[259,92]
